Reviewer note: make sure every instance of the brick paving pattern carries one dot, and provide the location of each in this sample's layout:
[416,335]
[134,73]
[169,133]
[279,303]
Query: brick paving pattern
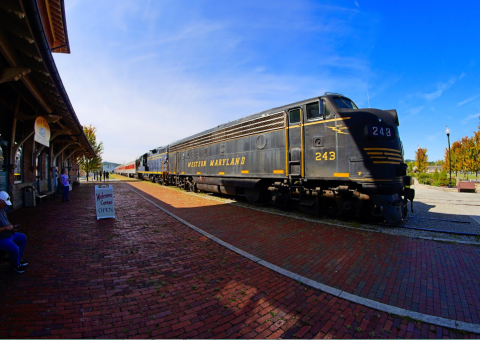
[146,275]
[434,278]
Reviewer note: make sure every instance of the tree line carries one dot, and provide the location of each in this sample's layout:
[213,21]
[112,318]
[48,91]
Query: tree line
[464,156]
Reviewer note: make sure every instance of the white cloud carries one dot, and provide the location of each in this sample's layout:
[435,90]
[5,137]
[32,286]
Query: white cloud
[441,87]
[468,100]
[470,117]
[413,111]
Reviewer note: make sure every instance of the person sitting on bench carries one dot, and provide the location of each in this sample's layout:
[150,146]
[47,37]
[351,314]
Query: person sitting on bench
[11,242]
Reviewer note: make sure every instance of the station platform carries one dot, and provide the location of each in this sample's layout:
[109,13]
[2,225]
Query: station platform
[218,270]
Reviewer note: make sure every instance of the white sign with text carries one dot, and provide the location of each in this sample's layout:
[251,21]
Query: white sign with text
[104,201]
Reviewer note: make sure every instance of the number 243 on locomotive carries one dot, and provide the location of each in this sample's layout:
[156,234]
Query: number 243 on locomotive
[323,153]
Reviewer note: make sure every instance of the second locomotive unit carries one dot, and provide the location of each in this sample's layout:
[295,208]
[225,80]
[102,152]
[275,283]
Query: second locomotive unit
[324,154]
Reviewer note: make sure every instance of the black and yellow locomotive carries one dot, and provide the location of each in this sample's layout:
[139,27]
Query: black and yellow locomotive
[324,154]
[153,165]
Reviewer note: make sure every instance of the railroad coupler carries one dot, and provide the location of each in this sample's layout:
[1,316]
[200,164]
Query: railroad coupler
[391,206]
[408,193]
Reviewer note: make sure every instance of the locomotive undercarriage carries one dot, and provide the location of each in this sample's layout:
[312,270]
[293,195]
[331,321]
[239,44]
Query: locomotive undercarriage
[333,198]
[340,199]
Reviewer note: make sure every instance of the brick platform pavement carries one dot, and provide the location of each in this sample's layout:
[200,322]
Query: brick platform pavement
[434,278]
[146,275]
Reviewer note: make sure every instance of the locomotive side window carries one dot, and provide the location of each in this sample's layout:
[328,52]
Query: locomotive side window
[295,116]
[313,111]
[344,103]
[326,110]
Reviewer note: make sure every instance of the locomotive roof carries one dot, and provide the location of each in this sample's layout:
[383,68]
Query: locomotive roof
[257,115]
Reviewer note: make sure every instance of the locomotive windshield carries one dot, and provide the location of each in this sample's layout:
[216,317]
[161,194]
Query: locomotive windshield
[344,103]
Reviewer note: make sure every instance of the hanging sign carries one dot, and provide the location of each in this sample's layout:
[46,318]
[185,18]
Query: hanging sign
[42,131]
[104,201]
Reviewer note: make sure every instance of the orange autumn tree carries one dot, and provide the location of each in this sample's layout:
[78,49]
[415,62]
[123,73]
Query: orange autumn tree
[421,159]
[456,157]
[446,164]
[466,157]
[476,150]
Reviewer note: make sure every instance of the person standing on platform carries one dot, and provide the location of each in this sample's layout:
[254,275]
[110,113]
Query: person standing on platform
[54,175]
[94,175]
[10,241]
[66,185]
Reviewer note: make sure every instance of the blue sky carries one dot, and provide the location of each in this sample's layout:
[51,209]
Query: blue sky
[146,73]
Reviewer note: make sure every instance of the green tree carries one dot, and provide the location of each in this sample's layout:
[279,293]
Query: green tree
[421,159]
[410,165]
[435,176]
[94,163]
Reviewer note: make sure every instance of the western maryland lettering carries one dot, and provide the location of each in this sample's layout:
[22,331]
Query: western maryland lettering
[218,162]
[197,164]
[228,161]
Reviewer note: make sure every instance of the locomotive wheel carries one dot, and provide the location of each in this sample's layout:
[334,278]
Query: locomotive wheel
[252,195]
[321,205]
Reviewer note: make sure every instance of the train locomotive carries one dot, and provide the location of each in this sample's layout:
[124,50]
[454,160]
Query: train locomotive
[322,154]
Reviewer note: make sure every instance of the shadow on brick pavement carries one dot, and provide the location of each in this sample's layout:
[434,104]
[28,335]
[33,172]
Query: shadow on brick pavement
[146,275]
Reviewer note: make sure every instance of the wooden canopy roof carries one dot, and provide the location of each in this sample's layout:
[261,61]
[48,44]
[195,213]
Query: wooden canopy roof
[52,13]
[30,30]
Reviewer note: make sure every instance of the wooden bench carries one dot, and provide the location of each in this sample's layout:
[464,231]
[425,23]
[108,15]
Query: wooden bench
[43,195]
[466,187]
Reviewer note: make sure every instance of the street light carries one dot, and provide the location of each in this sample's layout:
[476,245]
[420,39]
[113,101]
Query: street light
[447,131]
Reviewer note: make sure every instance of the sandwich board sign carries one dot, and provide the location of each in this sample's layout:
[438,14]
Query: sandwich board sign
[104,201]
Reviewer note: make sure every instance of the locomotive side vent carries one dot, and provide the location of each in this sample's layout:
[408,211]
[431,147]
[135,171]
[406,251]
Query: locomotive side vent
[261,142]
[255,126]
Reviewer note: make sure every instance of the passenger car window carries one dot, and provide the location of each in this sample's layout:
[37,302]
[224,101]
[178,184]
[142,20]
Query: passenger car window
[313,111]
[294,116]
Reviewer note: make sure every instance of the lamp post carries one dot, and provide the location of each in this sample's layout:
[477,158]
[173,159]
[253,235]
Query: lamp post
[447,131]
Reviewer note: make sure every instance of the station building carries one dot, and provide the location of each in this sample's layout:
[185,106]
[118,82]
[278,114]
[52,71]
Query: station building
[39,130]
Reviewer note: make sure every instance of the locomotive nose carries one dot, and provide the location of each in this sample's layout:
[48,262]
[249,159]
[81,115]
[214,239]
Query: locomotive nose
[391,207]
